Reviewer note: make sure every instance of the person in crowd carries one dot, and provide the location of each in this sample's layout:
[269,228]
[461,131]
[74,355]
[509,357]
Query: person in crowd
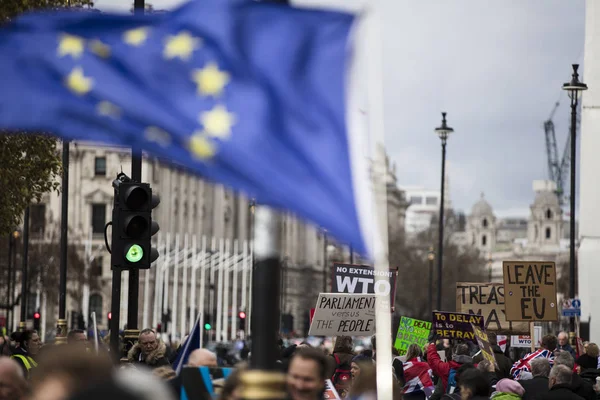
[357,363]
[306,375]
[76,336]
[233,385]
[560,385]
[578,385]
[149,350]
[197,358]
[27,347]
[504,363]
[13,385]
[488,369]
[417,374]
[545,351]
[339,364]
[539,384]
[66,370]
[589,360]
[507,389]
[446,371]
[472,385]
[563,344]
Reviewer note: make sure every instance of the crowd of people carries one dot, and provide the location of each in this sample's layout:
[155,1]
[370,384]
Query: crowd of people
[440,370]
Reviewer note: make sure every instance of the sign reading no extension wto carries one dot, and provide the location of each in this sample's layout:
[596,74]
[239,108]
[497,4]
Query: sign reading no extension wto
[363,279]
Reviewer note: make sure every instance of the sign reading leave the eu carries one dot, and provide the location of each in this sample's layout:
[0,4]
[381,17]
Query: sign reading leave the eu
[450,325]
[530,291]
[411,331]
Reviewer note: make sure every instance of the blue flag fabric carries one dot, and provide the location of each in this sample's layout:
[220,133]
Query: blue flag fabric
[192,343]
[248,94]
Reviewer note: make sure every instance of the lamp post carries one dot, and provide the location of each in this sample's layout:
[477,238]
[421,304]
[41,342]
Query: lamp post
[431,257]
[574,89]
[490,266]
[443,132]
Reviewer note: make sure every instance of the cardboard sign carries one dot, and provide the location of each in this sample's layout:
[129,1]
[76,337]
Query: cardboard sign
[484,345]
[487,299]
[330,392]
[524,341]
[449,325]
[530,291]
[349,278]
[338,314]
[411,331]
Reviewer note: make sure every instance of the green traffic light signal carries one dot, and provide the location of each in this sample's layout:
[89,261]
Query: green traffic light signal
[207,327]
[134,254]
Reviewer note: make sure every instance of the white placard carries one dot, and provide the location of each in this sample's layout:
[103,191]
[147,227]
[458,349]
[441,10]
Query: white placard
[340,314]
[525,341]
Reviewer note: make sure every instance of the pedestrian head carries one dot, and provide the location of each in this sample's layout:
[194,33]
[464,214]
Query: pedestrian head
[343,344]
[306,374]
[461,349]
[563,338]
[564,358]
[29,341]
[549,342]
[413,351]
[492,338]
[12,382]
[592,350]
[357,363]
[202,358]
[560,375]
[76,336]
[147,341]
[540,367]
[472,382]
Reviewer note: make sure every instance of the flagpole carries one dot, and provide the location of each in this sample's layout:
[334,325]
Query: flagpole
[263,376]
[226,290]
[250,289]
[220,292]
[175,288]
[146,298]
[234,305]
[211,293]
[185,282]
[157,285]
[165,285]
[244,276]
[193,283]
[202,289]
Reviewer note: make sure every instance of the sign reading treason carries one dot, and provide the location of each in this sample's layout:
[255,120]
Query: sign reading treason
[530,291]
[487,299]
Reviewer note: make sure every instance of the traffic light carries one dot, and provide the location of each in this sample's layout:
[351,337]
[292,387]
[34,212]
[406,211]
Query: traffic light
[109,316]
[36,321]
[207,323]
[132,224]
[242,320]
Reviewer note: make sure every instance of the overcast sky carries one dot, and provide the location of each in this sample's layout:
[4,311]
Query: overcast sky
[496,67]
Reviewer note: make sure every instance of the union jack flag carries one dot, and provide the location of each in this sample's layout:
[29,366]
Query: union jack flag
[523,365]
[418,377]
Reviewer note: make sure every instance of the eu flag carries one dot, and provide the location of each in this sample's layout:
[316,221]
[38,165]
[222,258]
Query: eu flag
[248,94]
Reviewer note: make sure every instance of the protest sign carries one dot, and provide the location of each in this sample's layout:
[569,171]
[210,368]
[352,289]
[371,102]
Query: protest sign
[487,299]
[344,314]
[524,341]
[348,278]
[330,392]
[411,331]
[450,325]
[484,345]
[530,291]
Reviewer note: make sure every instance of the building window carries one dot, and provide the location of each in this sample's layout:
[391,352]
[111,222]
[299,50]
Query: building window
[37,218]
[416,200]
[95,305]
[98,218]
[96,267]
[549,214]
[100,166]
[548,233]
[484,223]
[431,201]
[484,240]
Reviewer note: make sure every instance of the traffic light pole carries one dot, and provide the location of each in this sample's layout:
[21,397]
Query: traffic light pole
[24,292]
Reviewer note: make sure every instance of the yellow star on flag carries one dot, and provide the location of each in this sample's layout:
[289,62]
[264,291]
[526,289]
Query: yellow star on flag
[201,147]
[157,135]
[217,122]
[135,37]
[210,80]
[70,45]
[79,83]
[181,45]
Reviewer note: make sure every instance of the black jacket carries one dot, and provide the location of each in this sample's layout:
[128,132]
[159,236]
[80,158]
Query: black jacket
[504,363]
[560,392]
[535,388]
[587,362]
[583,388]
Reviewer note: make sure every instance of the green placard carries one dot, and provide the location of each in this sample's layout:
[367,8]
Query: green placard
[411,331]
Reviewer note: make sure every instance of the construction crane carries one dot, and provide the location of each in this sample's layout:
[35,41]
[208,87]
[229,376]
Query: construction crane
[558,169]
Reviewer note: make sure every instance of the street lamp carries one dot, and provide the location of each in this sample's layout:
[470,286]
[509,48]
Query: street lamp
[443,132]
[574,89]
[431,257]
